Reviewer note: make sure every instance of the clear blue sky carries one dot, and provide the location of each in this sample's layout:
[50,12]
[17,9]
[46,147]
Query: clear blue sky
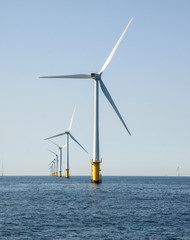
[148,78]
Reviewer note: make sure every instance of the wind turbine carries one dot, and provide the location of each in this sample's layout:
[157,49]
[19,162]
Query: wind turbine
[2,169]
[60,156]
[178,170]
[68,134]
[52,167]
[56,155]
[98,81]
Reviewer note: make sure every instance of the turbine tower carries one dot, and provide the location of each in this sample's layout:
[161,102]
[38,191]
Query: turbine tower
[97,77]
[56,155]
[68,134]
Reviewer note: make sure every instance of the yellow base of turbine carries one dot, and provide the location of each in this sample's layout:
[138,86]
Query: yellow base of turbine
[60,174]
[67,173]
[56,174]
[96,176]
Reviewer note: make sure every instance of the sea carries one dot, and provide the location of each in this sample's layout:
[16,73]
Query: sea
[118,208]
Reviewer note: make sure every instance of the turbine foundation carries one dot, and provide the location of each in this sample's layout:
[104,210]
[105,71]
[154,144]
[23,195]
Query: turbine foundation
[67,173]
[96,176]
[60,175]
[56,174]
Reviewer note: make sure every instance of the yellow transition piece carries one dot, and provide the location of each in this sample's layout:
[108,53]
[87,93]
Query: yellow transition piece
[95,173]
[67,172]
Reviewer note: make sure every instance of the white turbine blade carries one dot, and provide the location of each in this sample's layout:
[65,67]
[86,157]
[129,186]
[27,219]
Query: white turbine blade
[114,49]
[70,76]
[52,152]
[55,136]
[70,125]
[109,98]
[54,143]
[51,162]
[77,142]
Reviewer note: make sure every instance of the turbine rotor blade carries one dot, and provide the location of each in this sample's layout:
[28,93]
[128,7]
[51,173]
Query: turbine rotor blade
[54,143]
[109,98]
[51,151]
[114,49]
[52,162]
[77,142]
[55,136]
[70,76]
[70,125]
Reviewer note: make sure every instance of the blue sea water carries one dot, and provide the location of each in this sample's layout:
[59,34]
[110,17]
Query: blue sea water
[119,208]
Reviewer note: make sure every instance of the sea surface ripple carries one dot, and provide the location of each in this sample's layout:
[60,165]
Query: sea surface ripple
[119,208]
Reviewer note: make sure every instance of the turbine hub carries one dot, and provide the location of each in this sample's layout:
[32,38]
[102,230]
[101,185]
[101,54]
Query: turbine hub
[96,76]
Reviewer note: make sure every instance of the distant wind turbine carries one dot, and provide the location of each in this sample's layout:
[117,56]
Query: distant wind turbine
[178,170]
[52,167]
[60,156]
[2,169]
[68,134]
[56,155]
[98,80]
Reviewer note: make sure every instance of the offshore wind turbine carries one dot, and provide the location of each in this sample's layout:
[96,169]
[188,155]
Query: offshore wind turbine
[56,155]
[60,156]
[97,77]
[52,167]
[178,170]
[68,134]
[2,169]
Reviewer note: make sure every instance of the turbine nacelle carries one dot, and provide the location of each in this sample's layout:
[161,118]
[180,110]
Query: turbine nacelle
[95,76]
